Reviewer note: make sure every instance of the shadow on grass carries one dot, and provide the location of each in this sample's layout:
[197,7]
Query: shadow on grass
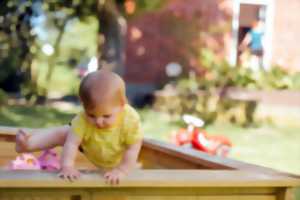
[33,116]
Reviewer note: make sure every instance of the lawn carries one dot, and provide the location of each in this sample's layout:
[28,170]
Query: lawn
[267,145]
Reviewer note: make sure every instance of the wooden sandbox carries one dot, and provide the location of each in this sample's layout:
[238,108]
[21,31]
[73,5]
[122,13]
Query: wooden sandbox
[169,173]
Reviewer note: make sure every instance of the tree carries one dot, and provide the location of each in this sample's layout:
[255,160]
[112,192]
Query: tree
[18,42]
[111,35]
[19,37]
[177,32]
[112,16]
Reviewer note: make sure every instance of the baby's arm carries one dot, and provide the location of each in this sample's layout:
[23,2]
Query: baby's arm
[129,161]
[69,153]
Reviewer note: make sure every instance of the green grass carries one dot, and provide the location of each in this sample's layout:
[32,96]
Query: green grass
[33,117]
[275,147]
[268,145]
[79,42]
[58,84]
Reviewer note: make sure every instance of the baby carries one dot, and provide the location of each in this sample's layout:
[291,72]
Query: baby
[107,131]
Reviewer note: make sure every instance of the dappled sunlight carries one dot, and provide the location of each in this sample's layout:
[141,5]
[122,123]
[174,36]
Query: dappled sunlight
[140,51]
[130,6]
[136,34]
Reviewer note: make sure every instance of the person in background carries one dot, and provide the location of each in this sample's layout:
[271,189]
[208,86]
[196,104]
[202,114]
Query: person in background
[254,42]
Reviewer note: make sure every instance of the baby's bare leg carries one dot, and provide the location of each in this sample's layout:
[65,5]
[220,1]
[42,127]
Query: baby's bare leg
[41,139]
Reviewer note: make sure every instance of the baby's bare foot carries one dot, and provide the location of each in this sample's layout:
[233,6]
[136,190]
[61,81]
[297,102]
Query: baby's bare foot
[21,141]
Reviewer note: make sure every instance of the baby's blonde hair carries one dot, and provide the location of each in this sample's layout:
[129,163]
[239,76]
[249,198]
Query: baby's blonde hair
[102,87]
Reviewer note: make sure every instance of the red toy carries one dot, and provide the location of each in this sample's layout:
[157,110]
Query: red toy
[199,139]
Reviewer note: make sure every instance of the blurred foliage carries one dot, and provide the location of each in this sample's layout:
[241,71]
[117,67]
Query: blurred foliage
[208,105]
[146,5]
[21,46]
[17,44]
[205,95]
[65,80]
[133,8]
[60,15]
[219,74]
[3,98]
[21,60]
[178,29]
[18,37]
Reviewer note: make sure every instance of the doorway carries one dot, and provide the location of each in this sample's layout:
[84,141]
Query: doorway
[245,12]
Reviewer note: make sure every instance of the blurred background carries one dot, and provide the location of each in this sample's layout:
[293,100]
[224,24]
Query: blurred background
[233,63]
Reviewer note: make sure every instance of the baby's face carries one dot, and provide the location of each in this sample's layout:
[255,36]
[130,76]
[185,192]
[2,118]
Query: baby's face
[103,116]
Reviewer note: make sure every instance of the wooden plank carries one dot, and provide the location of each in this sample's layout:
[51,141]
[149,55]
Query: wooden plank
[54,196]
[283,97]
[286,194]
[146,191]
[7,133]
[8,130]
[121,197]
[44,195]
[184,191]
[248,197]
[237,197]
[130,195]
[100,197]
[209,161]
[149,178]
[151,159]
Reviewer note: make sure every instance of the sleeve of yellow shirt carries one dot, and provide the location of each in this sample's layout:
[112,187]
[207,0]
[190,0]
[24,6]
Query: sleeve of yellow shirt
[133,132]
[78,125]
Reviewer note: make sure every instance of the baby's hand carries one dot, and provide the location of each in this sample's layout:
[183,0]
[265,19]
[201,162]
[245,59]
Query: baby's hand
[114,176]
[69,173]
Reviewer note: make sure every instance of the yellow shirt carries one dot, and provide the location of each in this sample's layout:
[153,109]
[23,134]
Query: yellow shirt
[105,146]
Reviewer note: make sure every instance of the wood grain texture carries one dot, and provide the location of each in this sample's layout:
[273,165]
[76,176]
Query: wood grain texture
[149,178]
[286,194]
[248,197]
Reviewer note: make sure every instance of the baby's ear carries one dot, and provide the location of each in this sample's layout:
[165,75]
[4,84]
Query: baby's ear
[123,101]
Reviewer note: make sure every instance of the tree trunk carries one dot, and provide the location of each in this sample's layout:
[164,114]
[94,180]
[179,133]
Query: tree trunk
[111,36]
[52,59]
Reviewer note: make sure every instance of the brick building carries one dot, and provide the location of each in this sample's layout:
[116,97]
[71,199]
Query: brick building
[148,54]
[282,29]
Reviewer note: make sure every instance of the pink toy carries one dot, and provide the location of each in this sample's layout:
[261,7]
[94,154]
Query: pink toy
[47,161]
[25,161]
